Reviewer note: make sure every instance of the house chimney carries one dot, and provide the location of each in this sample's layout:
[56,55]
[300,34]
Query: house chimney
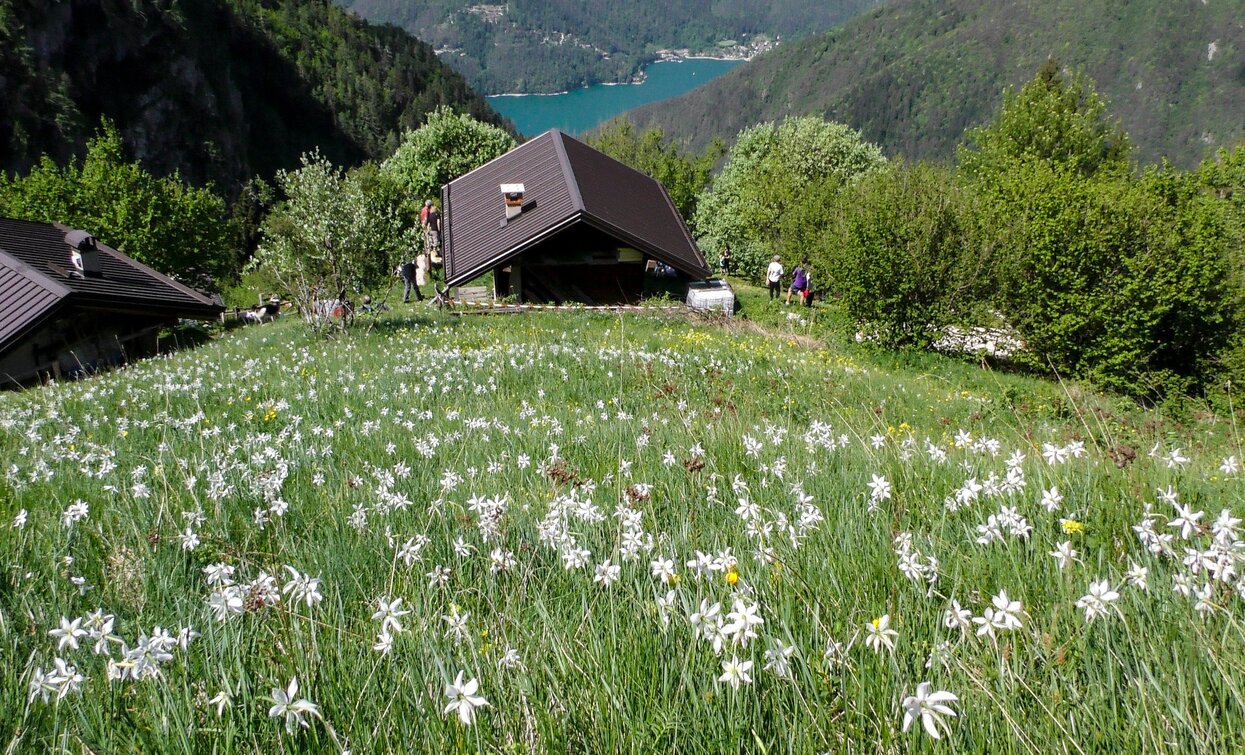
[84,254]
[513,194]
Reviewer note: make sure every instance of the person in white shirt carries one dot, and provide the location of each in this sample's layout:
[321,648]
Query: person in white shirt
[773,276]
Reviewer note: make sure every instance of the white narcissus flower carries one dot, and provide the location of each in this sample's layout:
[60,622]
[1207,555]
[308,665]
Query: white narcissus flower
[607,573]
[706,617]
[388,613]
[929,707]
[1097,602]
[1176,458]
[880,635]
[1064,554]
[663,569]
[285,704]
[463,699]
[741,622]
[220,702]
[1186,519]
[957,617]
[879,488]
[68,633]
[778,659]
[384,642]
[736,672]
[1003,615]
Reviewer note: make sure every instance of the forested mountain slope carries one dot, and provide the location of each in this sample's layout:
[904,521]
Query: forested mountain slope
[914,74]
[217,89]
[555,45]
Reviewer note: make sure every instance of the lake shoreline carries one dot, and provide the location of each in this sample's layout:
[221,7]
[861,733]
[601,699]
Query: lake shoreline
[638,79]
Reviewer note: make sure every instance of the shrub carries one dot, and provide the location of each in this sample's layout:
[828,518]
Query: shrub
[175,228]
[904,257]
[1118,280]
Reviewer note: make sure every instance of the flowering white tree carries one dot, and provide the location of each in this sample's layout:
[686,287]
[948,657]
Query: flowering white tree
[331,238]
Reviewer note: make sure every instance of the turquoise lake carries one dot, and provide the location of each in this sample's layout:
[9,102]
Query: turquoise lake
[583,109]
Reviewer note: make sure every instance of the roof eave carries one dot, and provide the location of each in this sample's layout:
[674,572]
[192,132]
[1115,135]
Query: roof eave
[17,336]
[514,251]
[645,246]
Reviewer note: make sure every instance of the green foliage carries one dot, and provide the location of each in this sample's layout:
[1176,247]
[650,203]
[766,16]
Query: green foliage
[770,172]
[1055,119]
[447,146]
[216,90]
[904,257]
[376,80]
[684,175]
[1222,178]
[331,238]
[1117,280]
[177,229]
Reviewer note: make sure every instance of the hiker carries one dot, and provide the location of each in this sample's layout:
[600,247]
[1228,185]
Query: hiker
[808,288]
[724,261]
[409,273]
[799,281]
[773,277]
[423,213]
[432,234]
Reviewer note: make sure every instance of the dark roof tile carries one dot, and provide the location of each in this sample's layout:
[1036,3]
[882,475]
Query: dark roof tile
[567,181]
[124,281]
[24,299]
[35,261]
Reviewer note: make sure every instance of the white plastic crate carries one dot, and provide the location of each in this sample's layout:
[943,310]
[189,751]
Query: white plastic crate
[712,295]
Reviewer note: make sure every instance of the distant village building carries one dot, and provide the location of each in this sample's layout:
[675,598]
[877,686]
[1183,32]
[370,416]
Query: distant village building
[70,305]
[557,221]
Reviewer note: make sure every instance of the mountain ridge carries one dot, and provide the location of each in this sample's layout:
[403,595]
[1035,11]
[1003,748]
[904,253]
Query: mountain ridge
[545,46]
[913,75]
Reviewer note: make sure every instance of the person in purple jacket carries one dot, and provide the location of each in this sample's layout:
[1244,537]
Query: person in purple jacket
[799,281]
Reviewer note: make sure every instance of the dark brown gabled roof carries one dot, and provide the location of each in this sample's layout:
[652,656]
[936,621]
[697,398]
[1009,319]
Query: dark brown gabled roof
[35,261]
[26,298]
[566,182]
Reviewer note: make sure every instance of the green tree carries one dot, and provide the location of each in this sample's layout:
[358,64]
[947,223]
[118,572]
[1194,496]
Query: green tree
[1222,178]
[772,170]
[447,146]
[906,258]
[1114,279]
[684,175]
[330,238]
[1055,118]
[175,228]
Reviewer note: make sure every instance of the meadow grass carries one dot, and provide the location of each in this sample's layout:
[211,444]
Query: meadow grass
[373,460]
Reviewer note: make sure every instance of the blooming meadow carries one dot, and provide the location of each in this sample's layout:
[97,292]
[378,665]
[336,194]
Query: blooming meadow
[589,533]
